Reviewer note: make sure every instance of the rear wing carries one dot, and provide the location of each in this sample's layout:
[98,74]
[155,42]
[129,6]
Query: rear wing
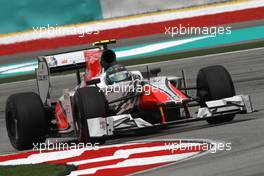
[69,61]
[61,62]
[74,59]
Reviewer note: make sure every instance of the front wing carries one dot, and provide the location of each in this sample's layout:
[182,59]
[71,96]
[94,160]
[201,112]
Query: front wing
[101,127]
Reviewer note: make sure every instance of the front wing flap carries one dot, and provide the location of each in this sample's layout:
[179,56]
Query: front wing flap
[236,104]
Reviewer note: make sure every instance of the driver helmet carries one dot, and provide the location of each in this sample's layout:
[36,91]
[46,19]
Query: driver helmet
[117,73]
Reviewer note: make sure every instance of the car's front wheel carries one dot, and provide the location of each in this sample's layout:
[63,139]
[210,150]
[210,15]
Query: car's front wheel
[214,83]
[90,103]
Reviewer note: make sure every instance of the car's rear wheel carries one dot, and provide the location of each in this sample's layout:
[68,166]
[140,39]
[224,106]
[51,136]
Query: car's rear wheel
[214,83]
[90,103]
[25,120]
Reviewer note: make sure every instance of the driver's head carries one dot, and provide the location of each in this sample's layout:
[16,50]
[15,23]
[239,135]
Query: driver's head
[117,73]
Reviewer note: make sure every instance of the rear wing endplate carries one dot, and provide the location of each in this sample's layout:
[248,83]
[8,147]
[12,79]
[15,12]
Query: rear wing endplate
[71,61]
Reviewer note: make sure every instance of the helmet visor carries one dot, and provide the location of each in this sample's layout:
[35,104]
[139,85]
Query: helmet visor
[118,77]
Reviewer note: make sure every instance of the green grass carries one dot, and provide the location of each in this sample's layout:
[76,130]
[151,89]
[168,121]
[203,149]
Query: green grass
[36,170]
[171,56]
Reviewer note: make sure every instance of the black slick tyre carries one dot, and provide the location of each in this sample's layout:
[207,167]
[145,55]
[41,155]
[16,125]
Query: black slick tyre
[90,103]
[214,83]
[25,120]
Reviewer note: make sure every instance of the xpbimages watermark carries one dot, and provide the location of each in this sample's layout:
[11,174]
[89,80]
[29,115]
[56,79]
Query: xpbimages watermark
[212,147]
[58,146]
[60,30]
[186,30]
[139,88]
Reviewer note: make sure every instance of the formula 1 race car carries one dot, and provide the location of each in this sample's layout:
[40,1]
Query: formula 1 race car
[110,99]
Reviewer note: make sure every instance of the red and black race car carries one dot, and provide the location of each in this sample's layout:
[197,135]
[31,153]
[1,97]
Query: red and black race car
[110,99]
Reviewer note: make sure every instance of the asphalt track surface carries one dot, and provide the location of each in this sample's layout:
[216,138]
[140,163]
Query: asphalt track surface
[245,133]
